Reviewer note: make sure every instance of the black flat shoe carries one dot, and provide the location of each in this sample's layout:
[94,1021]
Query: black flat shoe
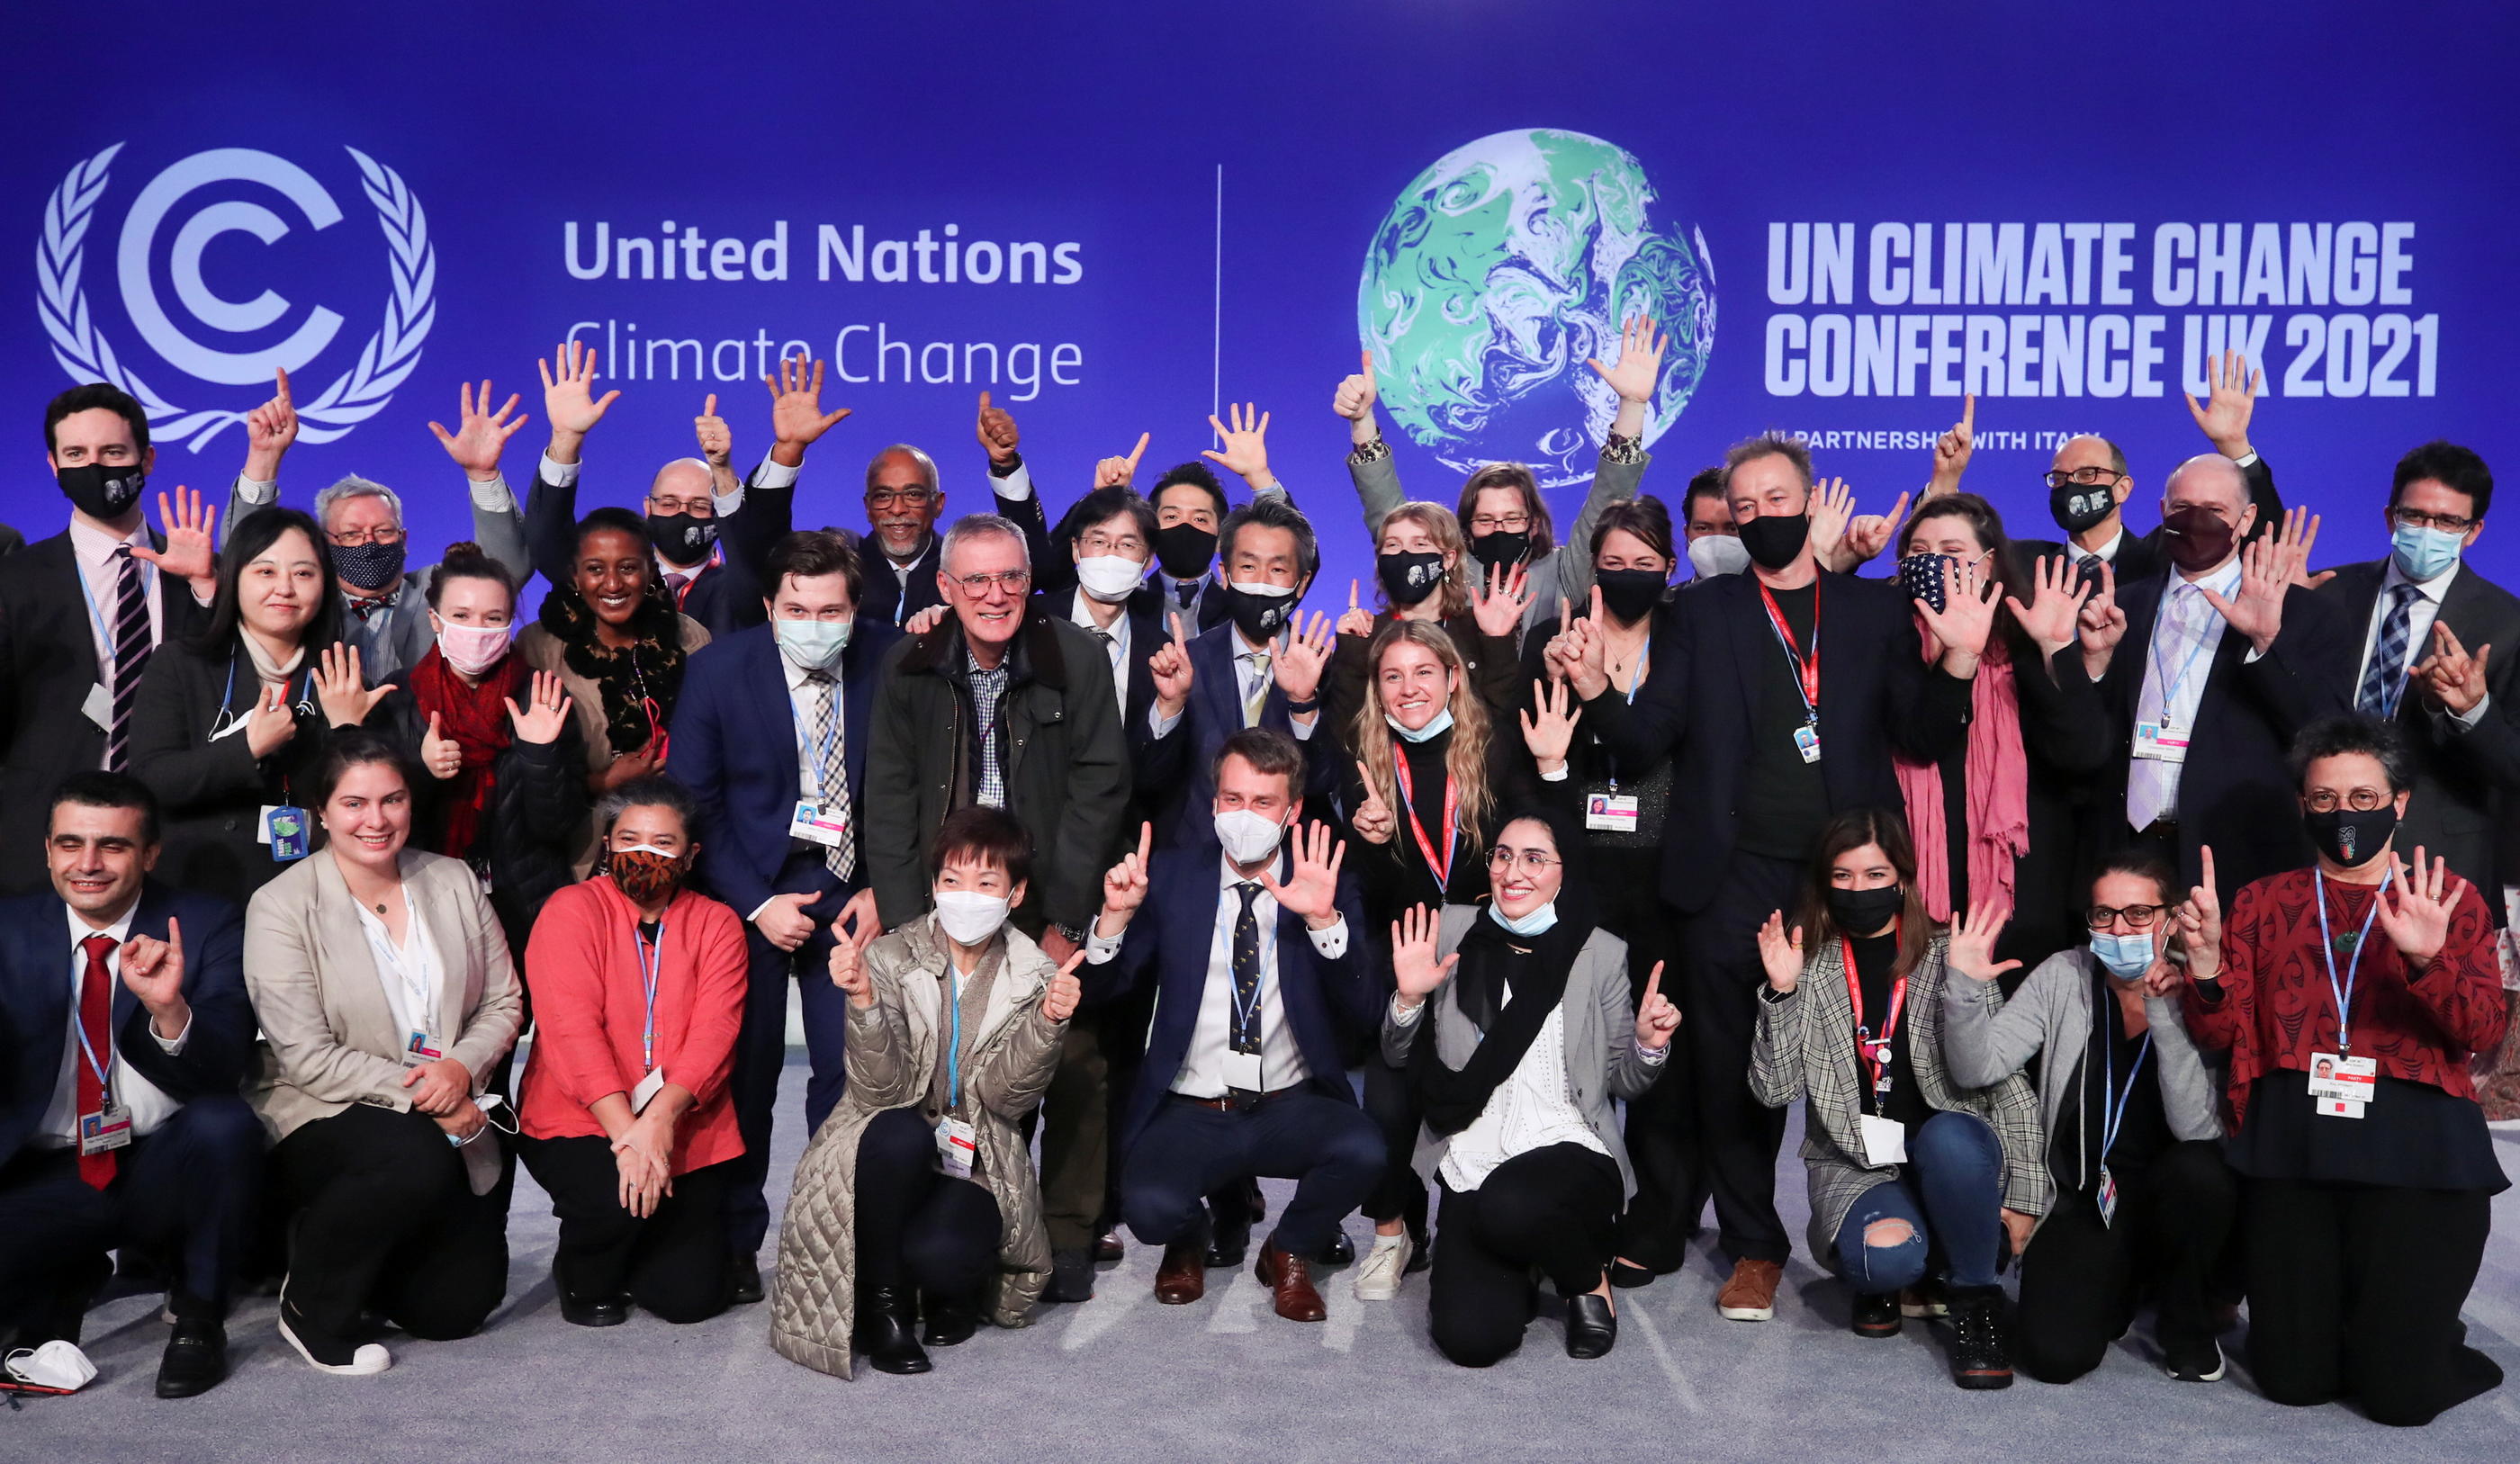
[1108,1250]
[1072,1277]
[743,1280]
[1226,1245]
[1628,1278]
[950,1322]
[1592,1327]
[1876,1315]
[196,1359]
[885,1333]
[1341,1251]
[594,1310]
[1422,1254]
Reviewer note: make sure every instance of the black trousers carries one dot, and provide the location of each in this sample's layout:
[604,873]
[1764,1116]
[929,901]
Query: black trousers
[1662,1122]
[184,1194]
[382,1219]
[672,1263]
[1188,1152]
[1120,1025]
[1076,1123]
[2355,1291]
[2082,1281]
[1739,1136]
[917,1225]
[1553,1210]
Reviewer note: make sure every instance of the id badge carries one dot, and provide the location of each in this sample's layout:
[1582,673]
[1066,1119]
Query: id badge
[1885,1141]
[1611,813]
[2160,743]
[646,1090]
[2108,1196]
[420,1047]
[104,1131]
[2347,1078]
[1242,1072]
[958,1144]
[2337,1108]
[1806,742]
[98,708]
[824,825]
[283,828]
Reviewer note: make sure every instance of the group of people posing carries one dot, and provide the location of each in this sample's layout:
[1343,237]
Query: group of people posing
[2121,909]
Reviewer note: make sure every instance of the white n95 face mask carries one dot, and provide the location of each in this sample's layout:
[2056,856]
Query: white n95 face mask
[1248,837]
[56,1364]
[1718,553]
[970,916]
[1109,578]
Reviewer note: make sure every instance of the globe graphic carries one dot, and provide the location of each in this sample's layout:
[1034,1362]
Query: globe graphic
[1499,272]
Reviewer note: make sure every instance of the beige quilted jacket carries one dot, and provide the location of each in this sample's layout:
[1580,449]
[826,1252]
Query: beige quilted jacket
[892,1055]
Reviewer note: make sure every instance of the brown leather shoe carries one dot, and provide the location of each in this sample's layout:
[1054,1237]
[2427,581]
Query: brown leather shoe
[1750,1295]
[1182,1277]
[1289,1279]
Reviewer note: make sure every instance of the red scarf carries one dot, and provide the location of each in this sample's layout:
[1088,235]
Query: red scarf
[1996,796]
[475,717]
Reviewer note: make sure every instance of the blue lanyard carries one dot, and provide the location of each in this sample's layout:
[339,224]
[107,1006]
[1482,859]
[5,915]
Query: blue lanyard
[652,964]
[2328,951]
[102,1070]
[227,719]
[2169,687]
[2113,1100]
[954,1048]
[814,749]
[1637,677]
[148,580]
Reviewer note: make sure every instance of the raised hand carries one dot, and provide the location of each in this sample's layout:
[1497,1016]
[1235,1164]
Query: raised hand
[2266,573]
[1832,507]
[2099,625]
[190,526]
[1966,621]
[1171,669]
[344,697]
[1058,1004]
[2055,605]
[2416,907]
[439,1087]
[2456,679]
[269,430]
[1953,449]
[1498,605]
[1415,968]
[1371,819]
[1552,731]
[441,755]
[1868,534]
[1354,400]
[997,431]
[1124,884]
[715,439]
[272,722]
[1656,1018]
[549,714]
[2198,924]
[796,417]
[2232,396]
[1119,472]
[1297,661]
[2301,574]
[569,403]
[1588,652]
[152,970]
[1311,889]
[480,435]
[848,968]
[1356,620]
[1780,954]
[1639,365]
[1246,443]
[1972,947]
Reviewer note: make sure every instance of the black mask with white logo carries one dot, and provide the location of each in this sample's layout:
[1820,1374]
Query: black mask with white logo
[100,492]
[1409,578]
[680,538]
[2077,506]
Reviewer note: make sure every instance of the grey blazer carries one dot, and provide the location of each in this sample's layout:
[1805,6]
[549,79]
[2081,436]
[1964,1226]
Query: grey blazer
[1804,1049]
[330,1039]
[1601,1057]
[1987,1039]
[1566,569]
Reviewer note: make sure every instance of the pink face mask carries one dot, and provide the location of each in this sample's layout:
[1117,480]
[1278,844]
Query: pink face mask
[473,648]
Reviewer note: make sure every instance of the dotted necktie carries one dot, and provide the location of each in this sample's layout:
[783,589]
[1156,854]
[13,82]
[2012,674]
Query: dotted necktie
[1245,1031]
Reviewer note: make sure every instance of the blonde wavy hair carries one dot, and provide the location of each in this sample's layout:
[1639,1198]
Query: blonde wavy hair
[1465,762]
[1446,530]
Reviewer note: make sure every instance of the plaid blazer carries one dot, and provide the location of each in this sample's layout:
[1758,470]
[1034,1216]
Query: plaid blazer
[1804,1049]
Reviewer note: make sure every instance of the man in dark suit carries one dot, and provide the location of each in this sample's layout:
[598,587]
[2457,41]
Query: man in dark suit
[770,736]
[81,612]
[709,529]
[1795,686]
[2428,625]
[126,1035]
[1256,954]
[903,500]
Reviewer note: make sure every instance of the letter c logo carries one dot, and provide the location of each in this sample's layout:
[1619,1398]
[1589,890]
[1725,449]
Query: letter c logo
[140,300]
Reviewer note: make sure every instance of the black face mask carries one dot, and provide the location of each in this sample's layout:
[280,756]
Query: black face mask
[1630,594]
[2352,836]
[1864,912]
[680,538]
[1774,540]
[1409,578]
[369,566]
[1259,617]
[2077,506]
[100,492]
[1185,551]
[1500,550]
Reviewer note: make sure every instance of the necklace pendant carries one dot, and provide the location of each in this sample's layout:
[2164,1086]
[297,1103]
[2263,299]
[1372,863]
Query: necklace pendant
[2346,940]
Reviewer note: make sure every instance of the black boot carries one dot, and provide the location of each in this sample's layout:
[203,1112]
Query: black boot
[1878,1314]
[1980,1358]
[886,1331]
[951,1319]
[1592,1327]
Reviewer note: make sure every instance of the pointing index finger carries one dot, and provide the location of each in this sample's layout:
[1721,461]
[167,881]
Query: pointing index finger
[1969,416]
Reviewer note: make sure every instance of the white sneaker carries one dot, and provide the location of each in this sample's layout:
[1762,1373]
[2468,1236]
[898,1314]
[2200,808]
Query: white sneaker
[1378,1278]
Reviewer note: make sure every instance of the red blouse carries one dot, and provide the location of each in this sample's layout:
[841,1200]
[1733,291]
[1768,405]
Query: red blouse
[2275,1007]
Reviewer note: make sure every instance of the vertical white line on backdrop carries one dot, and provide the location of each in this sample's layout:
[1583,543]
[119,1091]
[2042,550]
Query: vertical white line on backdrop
[1216,358]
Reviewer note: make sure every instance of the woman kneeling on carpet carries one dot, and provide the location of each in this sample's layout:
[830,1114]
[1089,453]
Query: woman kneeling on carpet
[1532,1037]
[919,1187]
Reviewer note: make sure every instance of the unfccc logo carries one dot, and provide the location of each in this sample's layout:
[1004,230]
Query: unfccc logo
[83,351]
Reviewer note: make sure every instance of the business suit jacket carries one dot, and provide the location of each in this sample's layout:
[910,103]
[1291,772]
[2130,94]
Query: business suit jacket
[1167,945]
[724,598]
[329,1037]
[2140,557]
[735,747]
[10,541]
[894,598]
[1053,568]
[2465,778]
[1177,771]
[35,962]
[47,665]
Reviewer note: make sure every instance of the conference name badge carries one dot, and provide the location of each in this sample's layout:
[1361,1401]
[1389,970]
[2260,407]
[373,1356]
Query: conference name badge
[958,1144]
[421,1048]
[98,708]
[2160,741]
[104,1131]
[283,828]
[1885,1141]
[1611,813]
[1807,741]
[645,1092]
[820,823]
[2340,1086]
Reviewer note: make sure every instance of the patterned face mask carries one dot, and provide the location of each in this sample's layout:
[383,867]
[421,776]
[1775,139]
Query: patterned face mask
[645,874]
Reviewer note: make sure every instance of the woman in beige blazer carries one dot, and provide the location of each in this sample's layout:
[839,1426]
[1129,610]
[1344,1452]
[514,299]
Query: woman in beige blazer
[387,998]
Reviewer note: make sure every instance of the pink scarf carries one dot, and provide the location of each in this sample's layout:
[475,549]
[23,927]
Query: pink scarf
[1996,799]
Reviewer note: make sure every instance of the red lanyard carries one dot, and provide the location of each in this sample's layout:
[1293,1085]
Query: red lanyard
[1875,1052]
[1441,868]
[1806,667]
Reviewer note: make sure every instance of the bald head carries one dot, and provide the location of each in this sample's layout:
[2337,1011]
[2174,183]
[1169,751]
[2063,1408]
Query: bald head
[681,478]
[2208,478]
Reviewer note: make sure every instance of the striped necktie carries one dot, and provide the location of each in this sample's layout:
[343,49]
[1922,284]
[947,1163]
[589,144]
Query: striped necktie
[131,648]
[2384,677]
[832,742]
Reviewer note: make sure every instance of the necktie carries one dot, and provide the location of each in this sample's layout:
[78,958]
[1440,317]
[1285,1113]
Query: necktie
[832,742]
[2087,569]
[1186,592]
[1245,1027]
[2384,679]
[368,606]
[96,1024]
[131,648]
[1106,637]
[674,585]
[1255,680]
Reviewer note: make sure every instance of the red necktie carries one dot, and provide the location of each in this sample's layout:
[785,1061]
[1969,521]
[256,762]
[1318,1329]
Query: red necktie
[96,1024]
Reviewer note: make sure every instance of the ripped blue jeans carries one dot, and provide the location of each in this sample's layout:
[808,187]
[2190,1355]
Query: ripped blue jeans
[1956,1168]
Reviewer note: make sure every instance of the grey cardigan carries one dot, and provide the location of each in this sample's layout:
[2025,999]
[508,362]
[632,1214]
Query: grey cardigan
[1805,1047]
[1987,1039]
[1601,1057]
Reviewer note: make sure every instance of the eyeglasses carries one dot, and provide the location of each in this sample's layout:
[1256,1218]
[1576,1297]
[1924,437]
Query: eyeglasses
[2138,916]
[2360,800]
[1531,859]
[365,537]
[913,498]
[2083,477]
[2418,518]
[1500,523]
[1012,581]
[1126,546]
[700,507]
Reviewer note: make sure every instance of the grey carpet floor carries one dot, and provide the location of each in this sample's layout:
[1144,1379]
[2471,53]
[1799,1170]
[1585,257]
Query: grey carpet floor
[1123,1378]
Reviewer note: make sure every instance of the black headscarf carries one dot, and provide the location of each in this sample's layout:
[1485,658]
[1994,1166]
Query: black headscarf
[1452,1098]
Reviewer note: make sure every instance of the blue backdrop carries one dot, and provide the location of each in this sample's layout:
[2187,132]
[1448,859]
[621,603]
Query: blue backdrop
[1859,210]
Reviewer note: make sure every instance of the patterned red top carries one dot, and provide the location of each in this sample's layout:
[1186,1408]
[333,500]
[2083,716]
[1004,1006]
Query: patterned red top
[2276,1008]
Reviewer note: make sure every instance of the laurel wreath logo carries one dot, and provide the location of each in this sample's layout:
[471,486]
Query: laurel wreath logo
[361,392]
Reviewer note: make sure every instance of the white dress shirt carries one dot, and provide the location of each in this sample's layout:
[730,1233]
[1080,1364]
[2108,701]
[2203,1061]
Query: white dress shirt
[148,1105]
[1082,612]
[408,972]
[1251,673]
[101,576]
[2107,553]
[1530,1110]
[2179,659]
[2421,612]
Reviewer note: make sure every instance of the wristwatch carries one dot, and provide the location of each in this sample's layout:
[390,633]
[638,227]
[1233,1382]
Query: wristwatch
[1075,933]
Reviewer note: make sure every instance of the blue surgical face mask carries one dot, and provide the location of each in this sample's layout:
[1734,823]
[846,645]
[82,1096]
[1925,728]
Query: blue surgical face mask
[813,645]
[1535,923]
[1442,722]
[2126,957]
[2424,553]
